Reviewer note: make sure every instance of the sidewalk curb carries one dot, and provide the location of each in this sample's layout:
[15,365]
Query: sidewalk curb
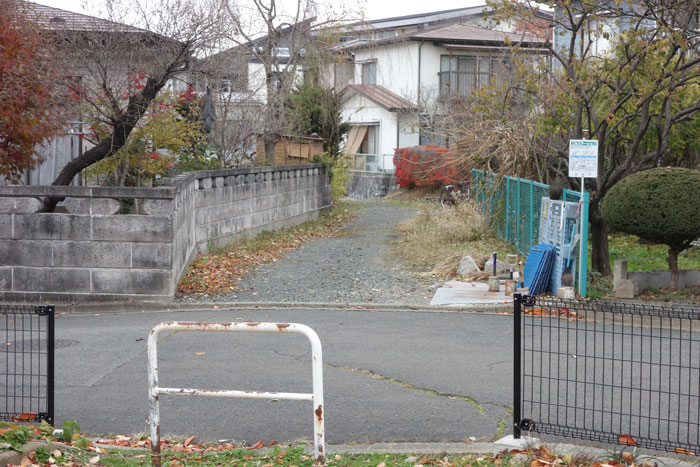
[155,307]
[487,448]
[456,448]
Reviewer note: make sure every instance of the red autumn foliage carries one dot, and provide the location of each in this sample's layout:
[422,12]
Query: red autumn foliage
[427,166]
[28,112]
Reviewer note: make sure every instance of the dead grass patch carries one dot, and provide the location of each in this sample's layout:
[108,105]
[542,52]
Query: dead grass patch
[434,241]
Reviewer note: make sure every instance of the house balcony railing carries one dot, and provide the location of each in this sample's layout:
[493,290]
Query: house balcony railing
[378,163]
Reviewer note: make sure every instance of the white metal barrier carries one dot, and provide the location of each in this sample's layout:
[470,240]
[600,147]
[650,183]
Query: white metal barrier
[316,397]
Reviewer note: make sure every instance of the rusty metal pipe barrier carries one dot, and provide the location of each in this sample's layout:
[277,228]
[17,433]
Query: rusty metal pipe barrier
[317,374]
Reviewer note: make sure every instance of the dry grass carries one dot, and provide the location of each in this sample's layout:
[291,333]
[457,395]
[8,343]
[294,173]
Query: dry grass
[435,240]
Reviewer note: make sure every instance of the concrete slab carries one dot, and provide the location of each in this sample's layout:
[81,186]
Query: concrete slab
[460,293]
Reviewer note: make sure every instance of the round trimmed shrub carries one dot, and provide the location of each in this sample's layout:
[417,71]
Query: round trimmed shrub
[659,205]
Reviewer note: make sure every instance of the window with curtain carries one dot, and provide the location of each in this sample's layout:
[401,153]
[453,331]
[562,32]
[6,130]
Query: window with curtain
[369,73]
[460,75]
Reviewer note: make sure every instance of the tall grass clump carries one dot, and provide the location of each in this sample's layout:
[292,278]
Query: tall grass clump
[438,234]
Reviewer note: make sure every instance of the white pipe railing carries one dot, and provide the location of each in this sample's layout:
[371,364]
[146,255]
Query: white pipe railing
[316,397]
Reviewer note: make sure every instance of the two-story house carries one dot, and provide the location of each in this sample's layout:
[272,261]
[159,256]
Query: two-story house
[245,81]
[401,68]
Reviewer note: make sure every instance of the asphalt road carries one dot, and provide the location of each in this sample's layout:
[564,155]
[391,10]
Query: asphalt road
[388,376]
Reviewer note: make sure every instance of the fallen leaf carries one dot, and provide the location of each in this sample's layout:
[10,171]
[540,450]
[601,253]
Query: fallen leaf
[257,445]
[25,417]
[627,440]
[628,457]
[95,460]
[684,451]
[546,453]
[57,453]
[188,441]
[199,353]
[381,464]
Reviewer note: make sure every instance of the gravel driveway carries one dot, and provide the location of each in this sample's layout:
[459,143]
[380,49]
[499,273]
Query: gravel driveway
[355,268]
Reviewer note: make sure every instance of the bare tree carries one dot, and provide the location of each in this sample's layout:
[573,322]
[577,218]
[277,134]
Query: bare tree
[635,96]
[121,69]
[278,43]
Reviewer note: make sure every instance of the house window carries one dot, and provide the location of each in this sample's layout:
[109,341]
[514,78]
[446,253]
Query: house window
[462,75]
[369,73]
[428,137]
[235,80]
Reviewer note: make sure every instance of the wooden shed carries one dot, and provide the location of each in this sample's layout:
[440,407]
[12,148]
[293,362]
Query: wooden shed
[291,150]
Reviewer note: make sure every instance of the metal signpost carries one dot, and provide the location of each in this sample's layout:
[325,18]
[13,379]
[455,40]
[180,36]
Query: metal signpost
[583,163]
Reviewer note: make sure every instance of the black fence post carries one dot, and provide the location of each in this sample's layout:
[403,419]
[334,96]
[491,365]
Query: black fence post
[517,361]
[50,372]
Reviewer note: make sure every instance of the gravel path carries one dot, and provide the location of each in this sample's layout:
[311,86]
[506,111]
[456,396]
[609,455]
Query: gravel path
[355,268]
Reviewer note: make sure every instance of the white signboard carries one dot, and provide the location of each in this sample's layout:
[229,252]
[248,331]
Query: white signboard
[583,158]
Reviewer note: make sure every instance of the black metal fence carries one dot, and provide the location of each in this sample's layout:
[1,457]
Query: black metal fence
[608,372]
[26,363]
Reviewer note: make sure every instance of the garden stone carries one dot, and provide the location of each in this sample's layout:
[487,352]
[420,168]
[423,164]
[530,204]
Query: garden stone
[501,267]
[625,288]
[467,266]
[566,292]
[494,284]
[620,271]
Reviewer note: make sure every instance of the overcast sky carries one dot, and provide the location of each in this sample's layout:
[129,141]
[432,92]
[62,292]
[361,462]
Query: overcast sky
[374,9]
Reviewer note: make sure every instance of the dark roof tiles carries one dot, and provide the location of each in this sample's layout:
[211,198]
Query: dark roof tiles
[55,19]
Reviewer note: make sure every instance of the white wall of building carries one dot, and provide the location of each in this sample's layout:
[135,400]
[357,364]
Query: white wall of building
[397,67]
[359,110]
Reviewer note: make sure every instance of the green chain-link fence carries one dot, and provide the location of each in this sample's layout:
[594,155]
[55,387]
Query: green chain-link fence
[514,206]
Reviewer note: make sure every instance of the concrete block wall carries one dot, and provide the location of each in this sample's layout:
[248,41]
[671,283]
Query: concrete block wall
[94,253]
[367,185]
[230,207]
[71,256]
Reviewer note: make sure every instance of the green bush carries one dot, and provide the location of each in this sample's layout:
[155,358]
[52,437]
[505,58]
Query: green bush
[660,205]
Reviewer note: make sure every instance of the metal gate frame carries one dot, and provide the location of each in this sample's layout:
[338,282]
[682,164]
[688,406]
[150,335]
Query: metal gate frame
[23,371]
[613,372]
[316,397]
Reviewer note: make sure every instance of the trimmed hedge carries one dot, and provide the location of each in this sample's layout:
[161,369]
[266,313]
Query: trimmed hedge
[660,205]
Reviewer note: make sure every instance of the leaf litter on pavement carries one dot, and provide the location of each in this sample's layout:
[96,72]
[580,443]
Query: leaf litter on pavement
[134,450]
[218,273]
[221,455]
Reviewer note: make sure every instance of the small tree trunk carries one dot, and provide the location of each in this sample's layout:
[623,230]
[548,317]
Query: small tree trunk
[600,256]
[270,143]
[673,253]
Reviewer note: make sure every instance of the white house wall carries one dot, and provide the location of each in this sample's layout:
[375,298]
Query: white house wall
[358,110]
[397,66]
